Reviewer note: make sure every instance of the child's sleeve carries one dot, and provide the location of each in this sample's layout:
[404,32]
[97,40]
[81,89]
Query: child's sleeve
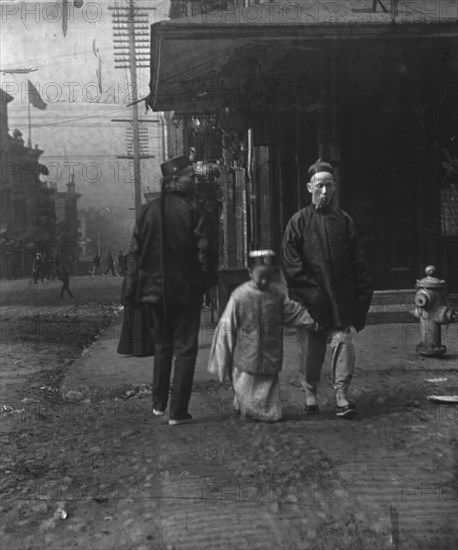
[295,313]
[223,344]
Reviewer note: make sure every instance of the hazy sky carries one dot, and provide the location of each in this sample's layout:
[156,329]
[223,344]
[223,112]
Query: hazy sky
[75,127]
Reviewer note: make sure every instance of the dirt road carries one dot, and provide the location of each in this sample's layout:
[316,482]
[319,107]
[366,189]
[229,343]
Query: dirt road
[106,474]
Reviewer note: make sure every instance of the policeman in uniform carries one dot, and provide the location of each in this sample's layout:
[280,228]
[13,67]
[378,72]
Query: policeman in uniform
[173,261]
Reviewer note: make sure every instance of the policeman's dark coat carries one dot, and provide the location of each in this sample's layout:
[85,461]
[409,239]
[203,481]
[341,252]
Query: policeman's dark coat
[189,258]
[136,336]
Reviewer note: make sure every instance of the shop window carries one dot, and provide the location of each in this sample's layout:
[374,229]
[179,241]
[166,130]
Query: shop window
[449,192]
[449,210]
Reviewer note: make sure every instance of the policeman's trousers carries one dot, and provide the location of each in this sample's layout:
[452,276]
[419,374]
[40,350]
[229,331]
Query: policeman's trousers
[175,335]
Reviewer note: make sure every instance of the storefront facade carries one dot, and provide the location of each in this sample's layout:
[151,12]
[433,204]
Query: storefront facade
[378,99]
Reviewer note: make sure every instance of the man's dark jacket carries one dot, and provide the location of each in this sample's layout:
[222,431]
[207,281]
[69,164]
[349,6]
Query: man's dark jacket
[190,253]
[324,267]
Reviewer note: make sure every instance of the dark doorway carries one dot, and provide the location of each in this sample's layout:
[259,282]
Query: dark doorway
[380,190]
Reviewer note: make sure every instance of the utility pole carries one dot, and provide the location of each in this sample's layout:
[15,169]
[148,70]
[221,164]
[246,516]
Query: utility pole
[29,142]
[136,133]
[131,44]
[142,141]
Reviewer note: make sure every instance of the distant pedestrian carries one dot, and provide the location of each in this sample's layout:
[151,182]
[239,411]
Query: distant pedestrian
[247,345]
[96,265]
[38,268]
[48,266]
[110,265]
[56,267]
[65,278]
[122,263]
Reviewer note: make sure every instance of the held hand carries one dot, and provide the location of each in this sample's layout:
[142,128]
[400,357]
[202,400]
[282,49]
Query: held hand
[317,325]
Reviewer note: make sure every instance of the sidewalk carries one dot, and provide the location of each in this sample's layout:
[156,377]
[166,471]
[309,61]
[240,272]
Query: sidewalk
[101,373]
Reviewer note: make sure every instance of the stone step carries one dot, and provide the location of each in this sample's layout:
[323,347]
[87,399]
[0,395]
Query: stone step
[396,306]
[388,297]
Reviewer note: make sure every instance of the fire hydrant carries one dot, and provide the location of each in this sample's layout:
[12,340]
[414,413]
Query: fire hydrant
[433,310]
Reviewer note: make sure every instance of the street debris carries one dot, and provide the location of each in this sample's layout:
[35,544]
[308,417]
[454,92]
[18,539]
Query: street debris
[139,391]
[61,513]
[73,395]
[10,410]
[443,398]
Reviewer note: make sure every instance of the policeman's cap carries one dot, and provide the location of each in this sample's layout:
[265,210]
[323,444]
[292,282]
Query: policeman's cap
[175,166]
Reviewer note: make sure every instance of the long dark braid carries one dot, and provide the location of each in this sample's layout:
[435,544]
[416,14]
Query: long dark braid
[162,251]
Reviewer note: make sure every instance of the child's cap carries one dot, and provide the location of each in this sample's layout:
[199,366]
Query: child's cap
[261,257]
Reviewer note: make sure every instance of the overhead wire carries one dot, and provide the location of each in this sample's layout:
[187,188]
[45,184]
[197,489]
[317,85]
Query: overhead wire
[87,117]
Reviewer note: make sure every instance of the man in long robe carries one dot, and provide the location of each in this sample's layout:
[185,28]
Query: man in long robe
[325,269]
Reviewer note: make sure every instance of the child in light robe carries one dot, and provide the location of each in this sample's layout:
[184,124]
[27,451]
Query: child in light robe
[247,345]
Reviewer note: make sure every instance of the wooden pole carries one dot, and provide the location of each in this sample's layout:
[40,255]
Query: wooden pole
[135,123]
[30,124]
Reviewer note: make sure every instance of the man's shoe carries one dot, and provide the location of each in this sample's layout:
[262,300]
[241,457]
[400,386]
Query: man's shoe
[312,410]
[185,419]
[345,409]
[341,397]
[347,412]
[158,412]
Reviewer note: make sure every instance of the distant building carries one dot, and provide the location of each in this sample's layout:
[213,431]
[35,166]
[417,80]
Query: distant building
[67,214]
[68,239]
[82,229]
[27,218]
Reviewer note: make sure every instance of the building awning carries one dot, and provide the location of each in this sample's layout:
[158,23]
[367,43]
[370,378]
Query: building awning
[196,61]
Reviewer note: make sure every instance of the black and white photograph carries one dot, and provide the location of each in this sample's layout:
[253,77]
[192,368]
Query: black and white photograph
[229,274]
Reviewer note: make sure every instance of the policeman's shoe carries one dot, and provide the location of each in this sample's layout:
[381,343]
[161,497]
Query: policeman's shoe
[182,419]
[236,406]
[312,410]
[311,406]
